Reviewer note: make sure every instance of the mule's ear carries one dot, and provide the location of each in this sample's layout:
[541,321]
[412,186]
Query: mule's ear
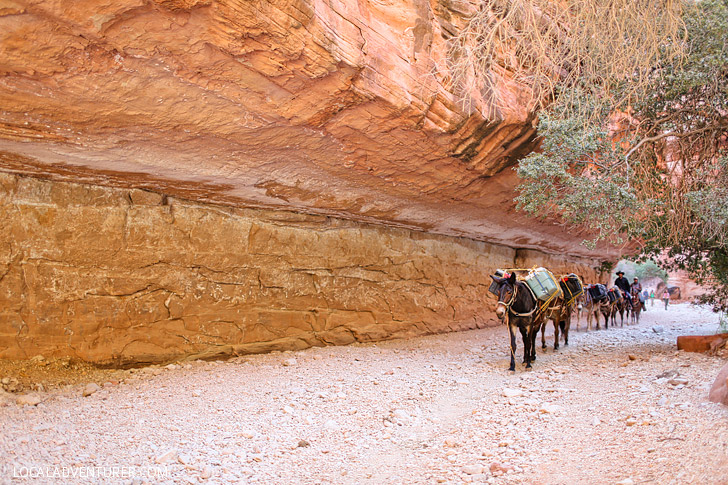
[512,279]
[497,279]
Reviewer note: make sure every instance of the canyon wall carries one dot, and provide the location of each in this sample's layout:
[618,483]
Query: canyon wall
[342,108]
[119,276]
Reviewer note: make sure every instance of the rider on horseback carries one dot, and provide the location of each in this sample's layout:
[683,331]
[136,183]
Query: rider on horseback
[636,289]
[623,284]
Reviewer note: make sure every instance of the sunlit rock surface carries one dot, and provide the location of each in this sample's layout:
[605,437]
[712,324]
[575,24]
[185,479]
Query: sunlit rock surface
[338,108]
[341,110]
[120,276]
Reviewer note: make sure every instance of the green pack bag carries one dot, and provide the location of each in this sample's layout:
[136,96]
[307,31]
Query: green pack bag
[543,284]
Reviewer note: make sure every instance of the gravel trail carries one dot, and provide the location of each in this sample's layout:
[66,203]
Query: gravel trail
[616,406]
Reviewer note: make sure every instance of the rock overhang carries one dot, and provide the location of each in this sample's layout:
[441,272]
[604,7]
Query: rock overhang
[338,108]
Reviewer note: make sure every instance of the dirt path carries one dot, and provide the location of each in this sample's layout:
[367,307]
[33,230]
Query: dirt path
[440,409]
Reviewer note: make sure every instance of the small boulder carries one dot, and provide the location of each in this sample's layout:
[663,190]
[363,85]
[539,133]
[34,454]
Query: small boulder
[473,469]
[166,457]
[500,468]
[719,390]
[90,388]
[28,400]
[512,392]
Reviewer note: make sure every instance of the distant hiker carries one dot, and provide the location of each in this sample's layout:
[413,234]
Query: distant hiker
[666,297]
[652,297]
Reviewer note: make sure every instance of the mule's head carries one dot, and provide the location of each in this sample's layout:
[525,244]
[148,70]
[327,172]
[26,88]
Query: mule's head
[505,293]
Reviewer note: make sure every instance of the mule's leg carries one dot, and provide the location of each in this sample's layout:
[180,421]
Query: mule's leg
[512,332]
[556,333]
[565,324]
[528,335]
[543,333]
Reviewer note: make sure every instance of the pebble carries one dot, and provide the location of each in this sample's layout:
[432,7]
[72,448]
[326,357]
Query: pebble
[166,457]
[90,388]
[507,392]
[626,481]
[499,468]
[548,408]
[28,400]
[289,362]
[677,381]
[658,329]
[473,469]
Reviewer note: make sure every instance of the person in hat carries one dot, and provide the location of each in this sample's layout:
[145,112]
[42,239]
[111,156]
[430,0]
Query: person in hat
[623,284]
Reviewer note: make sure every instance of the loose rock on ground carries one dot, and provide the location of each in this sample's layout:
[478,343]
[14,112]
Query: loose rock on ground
[615,406]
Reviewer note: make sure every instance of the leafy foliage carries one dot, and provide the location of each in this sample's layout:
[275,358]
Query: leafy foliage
[648,270]
[655,171]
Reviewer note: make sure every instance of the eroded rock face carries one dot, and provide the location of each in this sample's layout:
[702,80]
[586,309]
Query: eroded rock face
[119,276]
[337,108]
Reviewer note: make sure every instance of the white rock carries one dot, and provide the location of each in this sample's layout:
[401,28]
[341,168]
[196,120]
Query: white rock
[462,380]
[28,400]
[172,367]
[167,456]
[626,481]
[289,362]
[473,469]
[184,459]
[206,473]
[512,392]
[548,408]
[596,421]
[90,388]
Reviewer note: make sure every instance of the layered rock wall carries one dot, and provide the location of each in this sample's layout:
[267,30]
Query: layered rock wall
[118,276]
[342,108]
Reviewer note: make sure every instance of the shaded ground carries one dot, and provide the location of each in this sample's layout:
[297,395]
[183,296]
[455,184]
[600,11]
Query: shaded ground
[427,410]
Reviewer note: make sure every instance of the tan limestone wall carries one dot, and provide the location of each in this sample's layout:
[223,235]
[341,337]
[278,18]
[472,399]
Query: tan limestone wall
[118,276]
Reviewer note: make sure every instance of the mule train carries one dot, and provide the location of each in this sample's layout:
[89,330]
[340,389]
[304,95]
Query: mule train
[529,301]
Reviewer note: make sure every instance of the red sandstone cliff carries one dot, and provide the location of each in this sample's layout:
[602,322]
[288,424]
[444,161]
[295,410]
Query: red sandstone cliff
[337,107]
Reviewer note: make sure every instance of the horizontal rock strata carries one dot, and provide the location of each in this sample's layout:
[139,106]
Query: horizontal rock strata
[121,276]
